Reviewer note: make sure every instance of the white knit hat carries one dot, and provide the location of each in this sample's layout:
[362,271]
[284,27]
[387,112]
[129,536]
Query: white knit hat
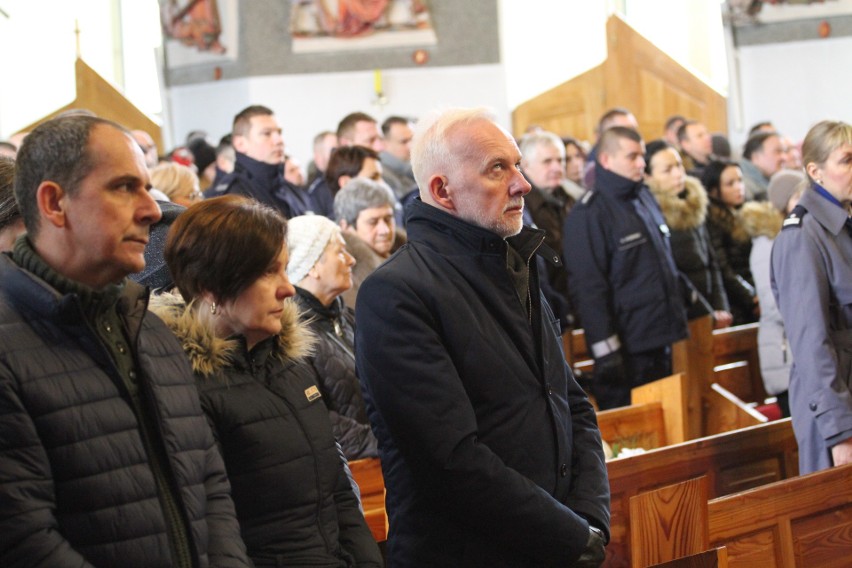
[307,237]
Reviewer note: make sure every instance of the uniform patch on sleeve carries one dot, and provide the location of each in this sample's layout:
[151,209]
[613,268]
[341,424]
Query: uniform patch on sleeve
[795,218]
[312,393]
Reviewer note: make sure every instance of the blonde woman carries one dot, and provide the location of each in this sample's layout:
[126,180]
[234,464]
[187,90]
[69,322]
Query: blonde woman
[178,182]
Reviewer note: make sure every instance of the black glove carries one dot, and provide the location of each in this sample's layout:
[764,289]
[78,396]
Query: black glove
[595,552]
[609,370]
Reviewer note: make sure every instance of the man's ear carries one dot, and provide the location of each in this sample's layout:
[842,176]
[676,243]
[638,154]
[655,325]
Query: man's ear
[439,192]
[603,158]
[239,143]
[52,203]
[344,226]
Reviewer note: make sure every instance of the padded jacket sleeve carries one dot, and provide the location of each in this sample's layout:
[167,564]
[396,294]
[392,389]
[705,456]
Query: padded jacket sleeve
[29,535]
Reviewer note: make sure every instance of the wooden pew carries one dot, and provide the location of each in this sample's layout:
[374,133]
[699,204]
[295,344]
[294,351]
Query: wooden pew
[801,522]
[724,412]
[368,475]
[732,462]
[669,523]
[736,345]
[714,558]
[655,419]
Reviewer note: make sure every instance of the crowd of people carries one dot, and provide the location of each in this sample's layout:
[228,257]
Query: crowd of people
[195,345]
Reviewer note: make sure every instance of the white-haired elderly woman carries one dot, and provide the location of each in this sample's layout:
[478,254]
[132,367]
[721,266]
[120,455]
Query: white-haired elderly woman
[321,268]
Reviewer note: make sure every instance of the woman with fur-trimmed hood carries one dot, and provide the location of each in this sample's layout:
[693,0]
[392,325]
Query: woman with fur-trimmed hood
[723,181]
[683,202]
[247,345]
[762,221]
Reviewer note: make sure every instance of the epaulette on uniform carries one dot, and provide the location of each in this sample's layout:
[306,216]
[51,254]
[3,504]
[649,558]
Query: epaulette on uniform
[587,197]
[794,220]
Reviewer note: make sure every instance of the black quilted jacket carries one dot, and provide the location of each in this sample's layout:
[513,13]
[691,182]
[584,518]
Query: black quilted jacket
[76,486]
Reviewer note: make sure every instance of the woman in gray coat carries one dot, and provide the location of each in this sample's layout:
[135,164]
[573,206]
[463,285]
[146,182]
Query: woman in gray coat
[812,282]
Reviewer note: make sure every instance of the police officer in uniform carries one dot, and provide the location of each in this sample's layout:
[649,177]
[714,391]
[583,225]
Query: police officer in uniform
[622,276]
[812,283]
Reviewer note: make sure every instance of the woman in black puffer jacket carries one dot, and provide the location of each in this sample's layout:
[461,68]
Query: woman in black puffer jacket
[247,347]
[321,268]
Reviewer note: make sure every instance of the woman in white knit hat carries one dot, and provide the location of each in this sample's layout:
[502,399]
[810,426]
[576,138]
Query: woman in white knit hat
[321,268]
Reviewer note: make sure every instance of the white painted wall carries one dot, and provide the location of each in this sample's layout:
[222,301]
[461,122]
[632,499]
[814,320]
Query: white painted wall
[544,43]
[794,85]
[308,104]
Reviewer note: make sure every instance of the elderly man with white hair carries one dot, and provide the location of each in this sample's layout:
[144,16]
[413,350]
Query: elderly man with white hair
[490,450]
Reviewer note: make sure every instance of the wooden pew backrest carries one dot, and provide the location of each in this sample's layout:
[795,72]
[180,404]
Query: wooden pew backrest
[368,475]
[725,412]
[801,522]
[634,426]
[668,523]
[732,462]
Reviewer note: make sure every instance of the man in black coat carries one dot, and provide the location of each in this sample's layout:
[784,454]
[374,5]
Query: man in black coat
[107,458]
[622,276]
[490,450]
[259,166]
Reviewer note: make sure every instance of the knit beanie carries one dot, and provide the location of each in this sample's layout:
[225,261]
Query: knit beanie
[307,237]
[782,186]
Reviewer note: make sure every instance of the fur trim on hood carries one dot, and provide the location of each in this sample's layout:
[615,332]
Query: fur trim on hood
[761,219]
[683,211]
[208,353]
[728,219]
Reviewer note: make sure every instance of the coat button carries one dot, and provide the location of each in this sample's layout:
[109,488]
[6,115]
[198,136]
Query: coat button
[563,470]
[548,389]
[108,327]
[812,406]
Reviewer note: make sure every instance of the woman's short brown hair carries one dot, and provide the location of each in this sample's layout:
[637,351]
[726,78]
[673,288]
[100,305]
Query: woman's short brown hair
[223,245]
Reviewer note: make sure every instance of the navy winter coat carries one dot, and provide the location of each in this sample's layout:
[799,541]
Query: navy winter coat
[490,450]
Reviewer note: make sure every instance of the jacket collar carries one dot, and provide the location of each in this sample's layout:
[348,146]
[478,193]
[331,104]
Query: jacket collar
[460,234]
[614,184]
[209,354]
[267,175]
[33,294]
[309,303]
[829,215]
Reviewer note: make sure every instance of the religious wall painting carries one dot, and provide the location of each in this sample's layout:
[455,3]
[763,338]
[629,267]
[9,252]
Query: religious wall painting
[199,31]
[344,25]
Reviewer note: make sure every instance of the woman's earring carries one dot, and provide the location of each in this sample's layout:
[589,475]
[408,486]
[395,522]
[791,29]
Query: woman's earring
[214,309]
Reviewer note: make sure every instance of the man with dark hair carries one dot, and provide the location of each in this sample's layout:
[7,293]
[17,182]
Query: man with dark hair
[345,163]
[396,157]
[108,459]
[622,276]
[259,167]
[490,449]
[360,129]
[696,147]
[673,124]
[616,116]
[763,155]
